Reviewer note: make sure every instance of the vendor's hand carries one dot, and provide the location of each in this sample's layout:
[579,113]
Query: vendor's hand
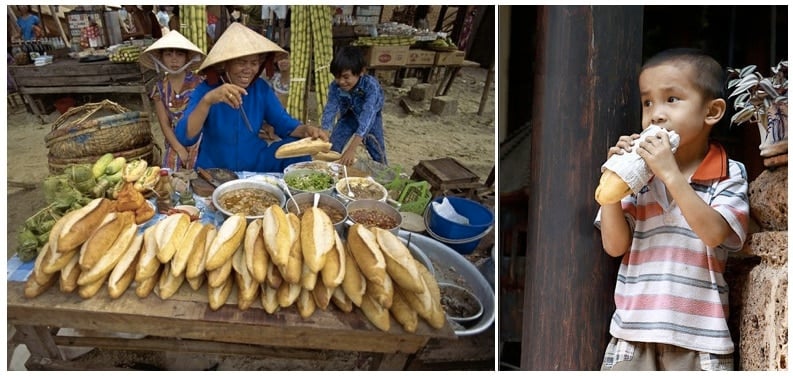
[227,93]
[267,133]
[305,131]
[624,144]
[183,154]
[657,152]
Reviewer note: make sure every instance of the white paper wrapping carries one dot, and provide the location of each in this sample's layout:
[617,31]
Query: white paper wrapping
[631,167]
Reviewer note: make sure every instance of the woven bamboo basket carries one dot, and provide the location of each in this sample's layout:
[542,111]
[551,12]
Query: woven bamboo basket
[151,153]
[94,129]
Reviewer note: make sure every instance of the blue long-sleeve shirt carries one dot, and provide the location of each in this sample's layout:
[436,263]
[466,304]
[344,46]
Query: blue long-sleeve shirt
[364,102]
[227,142]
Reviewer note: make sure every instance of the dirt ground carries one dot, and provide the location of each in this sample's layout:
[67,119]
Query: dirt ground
[410,138]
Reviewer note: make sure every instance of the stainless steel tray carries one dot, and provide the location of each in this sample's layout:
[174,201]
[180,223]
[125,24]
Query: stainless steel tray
[441,254]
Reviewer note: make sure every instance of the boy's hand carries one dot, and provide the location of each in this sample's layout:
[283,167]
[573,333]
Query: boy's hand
[657,152]
[624,144]
[348,157]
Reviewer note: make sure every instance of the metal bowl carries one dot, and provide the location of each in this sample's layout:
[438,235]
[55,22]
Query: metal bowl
[380,206]
[304,172]
[452,294]
[245,183]
[343,192]
[334,169]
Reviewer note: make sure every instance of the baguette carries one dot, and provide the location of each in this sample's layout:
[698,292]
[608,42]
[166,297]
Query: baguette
[89,290]
[421,302]
[278,235]
[195,283]
[364,248]
[611,189]
[403,313]
[69,274]
[146,286]
[302,147]
[38,271]
[322,294]
[57,228]
[274,278]
[308,279]
[227,241]
[287,294]
[256,257]
[169,283]
[376,314]
[305,304]
[293,271]
[54,261]
[335,264]
[247,287]
[148,263]
[399,263]
[102,238]
[79,227]
[269,298]
[217,277]
[192,242]
[354,283]
[34,288]
[170,234]
[124,271]
[219,295]
[196,264]
[316,237]
[329,156]
[341,300]
[437,317]
[383,293]
[104,265]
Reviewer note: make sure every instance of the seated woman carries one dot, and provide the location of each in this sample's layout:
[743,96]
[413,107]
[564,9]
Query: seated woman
[232,103]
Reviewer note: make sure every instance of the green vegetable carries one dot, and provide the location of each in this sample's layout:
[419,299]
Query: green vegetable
[310,182]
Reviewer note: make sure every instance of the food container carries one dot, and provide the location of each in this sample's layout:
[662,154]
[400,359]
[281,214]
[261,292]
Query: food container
[460,304]
[327,203]
[305,180]
[334,169]
[379,209]
[362,188]
[243,184]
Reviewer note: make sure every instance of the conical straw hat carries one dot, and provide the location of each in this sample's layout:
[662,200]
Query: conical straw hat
[237,41]
[172,39]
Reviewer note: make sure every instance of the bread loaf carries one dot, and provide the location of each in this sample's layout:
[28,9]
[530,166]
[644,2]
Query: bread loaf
[364,248]
[302,147]
[400,264]
[611,189]
[228,239]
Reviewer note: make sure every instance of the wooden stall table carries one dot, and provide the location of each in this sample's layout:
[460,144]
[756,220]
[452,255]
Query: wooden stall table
[69,76]
[185,323]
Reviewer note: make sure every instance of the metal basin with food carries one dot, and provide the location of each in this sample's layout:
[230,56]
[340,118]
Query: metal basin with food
[334,169]
[313,181]
[373,213]
[246,196]
[459,303]
[329,204]
[452,267]
[362,189]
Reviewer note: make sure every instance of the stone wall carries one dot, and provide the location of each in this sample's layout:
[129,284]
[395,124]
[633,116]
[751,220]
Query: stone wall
[758,279]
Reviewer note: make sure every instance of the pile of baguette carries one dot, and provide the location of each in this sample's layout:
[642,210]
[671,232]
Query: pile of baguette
[281,259]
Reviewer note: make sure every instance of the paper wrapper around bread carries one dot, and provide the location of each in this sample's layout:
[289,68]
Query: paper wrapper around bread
[628,172]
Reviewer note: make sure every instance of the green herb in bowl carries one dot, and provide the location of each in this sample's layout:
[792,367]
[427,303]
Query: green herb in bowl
[308,180]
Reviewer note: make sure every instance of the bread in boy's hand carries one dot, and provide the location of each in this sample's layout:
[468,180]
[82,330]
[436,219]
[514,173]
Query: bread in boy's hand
[611,188]
[303,147]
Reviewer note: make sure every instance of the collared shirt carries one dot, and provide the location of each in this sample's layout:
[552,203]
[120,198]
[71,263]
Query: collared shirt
[670,286]
[227,142]
[364,101]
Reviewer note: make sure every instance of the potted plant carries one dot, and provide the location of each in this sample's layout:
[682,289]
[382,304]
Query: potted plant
[761,100]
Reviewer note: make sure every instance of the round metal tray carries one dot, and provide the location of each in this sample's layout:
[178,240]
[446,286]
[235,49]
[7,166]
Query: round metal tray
[441,254]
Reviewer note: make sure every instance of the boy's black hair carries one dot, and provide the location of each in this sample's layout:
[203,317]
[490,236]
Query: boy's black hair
[708,73]
[348,57]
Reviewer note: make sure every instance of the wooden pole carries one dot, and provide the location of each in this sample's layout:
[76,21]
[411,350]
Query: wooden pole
[585,96]
[13,17]
[60,26]
[488,81]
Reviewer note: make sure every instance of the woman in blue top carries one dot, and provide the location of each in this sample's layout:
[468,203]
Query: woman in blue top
[357,99]
[29,23]
[230,106]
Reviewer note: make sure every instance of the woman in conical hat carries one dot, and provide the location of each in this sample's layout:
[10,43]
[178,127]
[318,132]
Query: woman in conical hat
[175,57]
[229,108]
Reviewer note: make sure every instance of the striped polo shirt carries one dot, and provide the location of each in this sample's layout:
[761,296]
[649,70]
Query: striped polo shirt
[670,286]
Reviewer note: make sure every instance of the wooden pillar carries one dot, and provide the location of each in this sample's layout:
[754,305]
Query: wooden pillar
[585,96]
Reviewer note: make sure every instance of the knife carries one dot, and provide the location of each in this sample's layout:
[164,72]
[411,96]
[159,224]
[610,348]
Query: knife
[208,177]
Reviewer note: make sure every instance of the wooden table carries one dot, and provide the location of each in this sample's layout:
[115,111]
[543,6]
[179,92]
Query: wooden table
[185,323]
[68,76]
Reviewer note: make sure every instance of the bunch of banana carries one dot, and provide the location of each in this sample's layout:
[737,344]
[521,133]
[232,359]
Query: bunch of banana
[125,54]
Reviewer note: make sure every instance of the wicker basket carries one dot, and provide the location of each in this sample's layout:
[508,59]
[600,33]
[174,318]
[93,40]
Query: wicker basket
[94,129]
[151,153]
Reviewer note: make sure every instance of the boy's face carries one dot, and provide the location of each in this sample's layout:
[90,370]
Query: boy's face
[670,100]
[347,80]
